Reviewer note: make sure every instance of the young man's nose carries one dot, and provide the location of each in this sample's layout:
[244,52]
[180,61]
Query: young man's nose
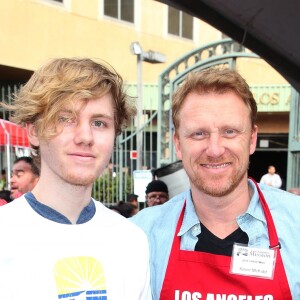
[83,133]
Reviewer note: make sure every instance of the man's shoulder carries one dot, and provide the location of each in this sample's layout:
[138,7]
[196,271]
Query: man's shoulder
[160,214]
[13,205]
[111,219]
[280,197]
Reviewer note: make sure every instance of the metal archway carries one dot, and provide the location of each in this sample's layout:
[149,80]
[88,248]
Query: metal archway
[222,53]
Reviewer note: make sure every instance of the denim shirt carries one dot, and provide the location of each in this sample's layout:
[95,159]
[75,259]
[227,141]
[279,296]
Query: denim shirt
[159,223]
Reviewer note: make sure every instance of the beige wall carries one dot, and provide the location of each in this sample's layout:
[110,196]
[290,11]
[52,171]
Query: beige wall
[33,31]
[257,71]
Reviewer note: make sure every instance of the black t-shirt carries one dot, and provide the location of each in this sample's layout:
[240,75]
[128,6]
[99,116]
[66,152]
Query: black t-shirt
[209,243]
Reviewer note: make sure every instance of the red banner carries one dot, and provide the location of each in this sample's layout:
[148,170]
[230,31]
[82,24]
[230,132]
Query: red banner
[13,135]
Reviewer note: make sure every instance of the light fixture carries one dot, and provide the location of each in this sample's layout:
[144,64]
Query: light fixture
[153,58]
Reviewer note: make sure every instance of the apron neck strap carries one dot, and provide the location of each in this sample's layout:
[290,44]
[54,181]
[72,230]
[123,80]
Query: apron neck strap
[274,241]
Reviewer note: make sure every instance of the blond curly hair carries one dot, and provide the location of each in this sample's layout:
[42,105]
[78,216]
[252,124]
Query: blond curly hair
[61,82]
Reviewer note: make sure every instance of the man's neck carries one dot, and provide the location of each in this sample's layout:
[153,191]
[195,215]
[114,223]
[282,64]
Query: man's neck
[218,214]
[67,199]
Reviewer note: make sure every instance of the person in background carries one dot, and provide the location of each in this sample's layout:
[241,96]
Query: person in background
[5,196]
[157,193]
[226,236]
[56,241]
[25,175]
[271,178]
[3,180]
[133,199]
[3,201]
[125,209]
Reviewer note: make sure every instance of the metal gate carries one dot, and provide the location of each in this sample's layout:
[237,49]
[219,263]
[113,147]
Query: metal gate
[117,182]
[293,175]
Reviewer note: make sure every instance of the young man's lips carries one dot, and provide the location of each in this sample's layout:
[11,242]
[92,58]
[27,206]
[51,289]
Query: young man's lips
[80,154]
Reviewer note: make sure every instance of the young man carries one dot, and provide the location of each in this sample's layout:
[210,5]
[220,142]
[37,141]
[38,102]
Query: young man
[25,175]
[57,242]
[226,237]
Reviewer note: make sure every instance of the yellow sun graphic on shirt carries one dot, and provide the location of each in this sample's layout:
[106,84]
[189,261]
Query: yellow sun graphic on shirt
[78,276]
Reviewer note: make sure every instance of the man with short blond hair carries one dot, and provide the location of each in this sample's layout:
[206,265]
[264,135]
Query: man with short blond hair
[225,236]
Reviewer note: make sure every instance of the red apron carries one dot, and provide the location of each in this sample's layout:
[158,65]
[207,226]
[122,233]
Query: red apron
[193,275]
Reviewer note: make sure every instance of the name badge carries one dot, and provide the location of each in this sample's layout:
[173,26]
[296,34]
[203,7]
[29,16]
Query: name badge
[256,262]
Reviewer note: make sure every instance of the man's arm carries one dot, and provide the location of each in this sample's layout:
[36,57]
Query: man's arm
[277,182]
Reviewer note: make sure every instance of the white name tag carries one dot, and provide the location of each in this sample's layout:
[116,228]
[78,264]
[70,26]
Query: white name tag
[255,262]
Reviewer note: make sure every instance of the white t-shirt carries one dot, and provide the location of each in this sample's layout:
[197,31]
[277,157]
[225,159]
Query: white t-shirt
[105,258]
[272,180]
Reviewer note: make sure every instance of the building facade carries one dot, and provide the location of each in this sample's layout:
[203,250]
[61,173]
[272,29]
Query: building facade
[33,31]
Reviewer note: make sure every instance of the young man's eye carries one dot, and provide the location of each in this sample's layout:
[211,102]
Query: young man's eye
[67,120]
[63,119]
[98,123]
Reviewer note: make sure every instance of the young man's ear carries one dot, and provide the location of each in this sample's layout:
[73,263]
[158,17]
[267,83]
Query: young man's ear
[32,134]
